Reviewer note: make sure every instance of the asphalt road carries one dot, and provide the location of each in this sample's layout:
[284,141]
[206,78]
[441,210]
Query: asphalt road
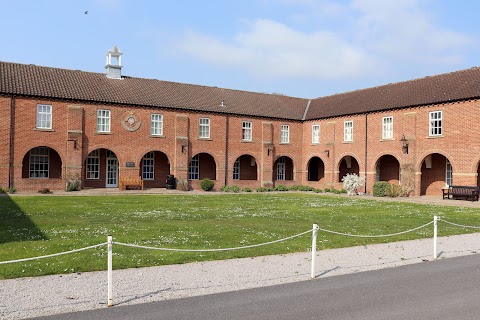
[443,289]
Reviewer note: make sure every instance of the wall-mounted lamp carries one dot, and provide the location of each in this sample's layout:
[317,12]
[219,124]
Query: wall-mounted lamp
[75,142]
[269,149]
[327,152]
[184,147]
[404,144]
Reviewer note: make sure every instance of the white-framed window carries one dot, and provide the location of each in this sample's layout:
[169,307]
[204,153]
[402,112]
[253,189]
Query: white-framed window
[449,174]
[348,131]
[148,166]
[236,170]
[204,129]
[435,125]
[44,116]
[103,120]
[194,168]
[156,125]
[39,162]
[387,128]
[246,131]
[93,165]
[284,133]
[316,134]
[281,168]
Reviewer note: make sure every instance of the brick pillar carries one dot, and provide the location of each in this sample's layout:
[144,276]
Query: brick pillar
[73,163]
[6,107]
[268,154]
[182,147]
[331,171]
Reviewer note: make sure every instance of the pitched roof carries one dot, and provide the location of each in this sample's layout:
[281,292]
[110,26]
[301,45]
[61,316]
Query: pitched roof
[448,87]
[31,80]
[46,82]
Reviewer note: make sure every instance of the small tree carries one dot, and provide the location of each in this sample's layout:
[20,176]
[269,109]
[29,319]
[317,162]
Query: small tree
[351,182]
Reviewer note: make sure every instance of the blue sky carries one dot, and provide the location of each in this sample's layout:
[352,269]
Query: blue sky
[300,48]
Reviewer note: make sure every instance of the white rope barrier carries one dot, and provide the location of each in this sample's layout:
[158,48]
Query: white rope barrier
[375,236]
[54,254]
[458,225]
[211,250]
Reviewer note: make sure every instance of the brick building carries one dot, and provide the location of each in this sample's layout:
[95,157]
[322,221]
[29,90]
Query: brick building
[60,124]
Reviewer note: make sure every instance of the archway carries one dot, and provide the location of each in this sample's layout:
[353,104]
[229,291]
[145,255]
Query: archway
[42,163]
[154,168]
[201,166]
[387,169]
[348,164]
[101,169]
[245,168]
[436,173]
[316,169]
[283,169]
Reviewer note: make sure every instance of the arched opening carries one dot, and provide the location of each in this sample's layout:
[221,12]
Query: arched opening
[201,166]
[245,168]
[283,169]
[348,164]
[42,163]
[388,169]
[154,168]
[436,173]
[316,169]
[101,169]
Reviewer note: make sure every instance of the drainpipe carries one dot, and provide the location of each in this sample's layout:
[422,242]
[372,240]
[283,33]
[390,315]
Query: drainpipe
[227,121]
[366,149]
[12,140]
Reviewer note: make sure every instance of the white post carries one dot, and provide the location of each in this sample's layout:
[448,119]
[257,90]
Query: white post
[110,296]
[314,249]
[435,219]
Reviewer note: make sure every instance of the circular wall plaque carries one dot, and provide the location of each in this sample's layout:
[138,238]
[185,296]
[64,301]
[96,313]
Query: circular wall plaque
[130,121]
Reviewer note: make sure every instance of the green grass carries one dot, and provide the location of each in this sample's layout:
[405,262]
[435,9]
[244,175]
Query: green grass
[39,225]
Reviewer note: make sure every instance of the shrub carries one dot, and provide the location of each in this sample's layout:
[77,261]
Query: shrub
[394,190]
[305,188]
[318,190]
[206,184]
[294,188]
[45,191]
[327,190]
[3,190]
[182,184]
[263,189]
[247,190]
[281,187]
[381,188]
[235,189]
[73,184]
[351,182]
[225,189]
[12,190]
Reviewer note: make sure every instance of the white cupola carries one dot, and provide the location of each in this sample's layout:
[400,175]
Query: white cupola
[114,63]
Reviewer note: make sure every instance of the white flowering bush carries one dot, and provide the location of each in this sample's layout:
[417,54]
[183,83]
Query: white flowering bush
[351,182]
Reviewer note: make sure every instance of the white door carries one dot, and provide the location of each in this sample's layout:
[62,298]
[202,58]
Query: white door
[281,168]
[112,172]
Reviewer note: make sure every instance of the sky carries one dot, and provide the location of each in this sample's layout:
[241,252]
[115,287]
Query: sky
[299,48]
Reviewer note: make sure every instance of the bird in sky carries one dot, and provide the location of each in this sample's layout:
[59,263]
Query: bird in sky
[86,12]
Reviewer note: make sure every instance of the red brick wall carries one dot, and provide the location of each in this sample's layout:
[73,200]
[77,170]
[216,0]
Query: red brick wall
[74,135]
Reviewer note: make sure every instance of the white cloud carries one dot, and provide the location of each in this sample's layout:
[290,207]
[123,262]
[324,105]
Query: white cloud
[369,37]
[272,49]
[404,30]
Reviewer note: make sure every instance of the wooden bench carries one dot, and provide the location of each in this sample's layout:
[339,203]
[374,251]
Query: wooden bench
[127,182]
[457,192]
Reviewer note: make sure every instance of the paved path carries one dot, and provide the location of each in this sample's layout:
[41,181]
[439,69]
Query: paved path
[443,289]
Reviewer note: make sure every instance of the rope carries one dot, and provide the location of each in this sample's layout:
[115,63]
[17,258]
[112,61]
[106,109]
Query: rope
[459,225]
[212,250]
[55,254]
[377,236]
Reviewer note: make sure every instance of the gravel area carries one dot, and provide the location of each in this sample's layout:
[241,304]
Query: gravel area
[40,296]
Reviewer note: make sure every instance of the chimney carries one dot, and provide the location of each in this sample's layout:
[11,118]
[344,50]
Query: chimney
[114,63]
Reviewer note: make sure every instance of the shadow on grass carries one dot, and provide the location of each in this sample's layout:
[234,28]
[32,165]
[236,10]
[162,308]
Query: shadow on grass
[15,225]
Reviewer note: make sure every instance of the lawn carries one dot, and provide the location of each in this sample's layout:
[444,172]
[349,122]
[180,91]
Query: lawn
[39,225]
